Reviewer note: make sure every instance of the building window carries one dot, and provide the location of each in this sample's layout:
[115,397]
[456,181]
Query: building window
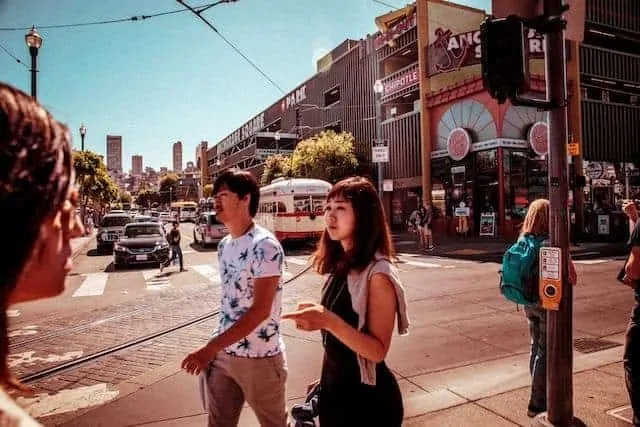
[332,96]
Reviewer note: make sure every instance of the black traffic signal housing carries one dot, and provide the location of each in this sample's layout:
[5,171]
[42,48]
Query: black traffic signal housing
[505,64]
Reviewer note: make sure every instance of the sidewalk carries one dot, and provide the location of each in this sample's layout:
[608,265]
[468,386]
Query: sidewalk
[80,243]
[491,249]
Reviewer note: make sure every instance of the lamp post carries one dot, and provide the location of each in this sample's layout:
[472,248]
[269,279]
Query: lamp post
[34,42]
[277,139]
[378,88]
[83,132]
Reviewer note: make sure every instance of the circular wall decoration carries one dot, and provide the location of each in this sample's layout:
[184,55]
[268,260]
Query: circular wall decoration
[470,115]
[538,138]
[458,144]
[517,120]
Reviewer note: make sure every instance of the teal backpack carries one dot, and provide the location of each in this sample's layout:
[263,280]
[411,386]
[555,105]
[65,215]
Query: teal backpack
[518,281]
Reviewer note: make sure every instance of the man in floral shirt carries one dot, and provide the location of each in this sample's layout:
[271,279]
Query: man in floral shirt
[245,359]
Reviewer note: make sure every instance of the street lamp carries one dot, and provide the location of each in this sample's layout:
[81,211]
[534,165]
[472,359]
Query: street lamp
[277,138]
[83,132]
[378,88]
[34,42]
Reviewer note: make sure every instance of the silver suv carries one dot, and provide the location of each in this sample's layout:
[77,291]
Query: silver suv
[110,230]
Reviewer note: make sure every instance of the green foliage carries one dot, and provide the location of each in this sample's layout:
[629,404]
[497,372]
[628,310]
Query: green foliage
[168,186]
[94,180]
[147,198]
[328,155]
[125,197]
[276,166]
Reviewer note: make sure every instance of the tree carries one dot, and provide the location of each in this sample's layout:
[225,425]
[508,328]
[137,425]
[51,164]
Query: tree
[125,197]
[93,179]
[168,186]
[276,166]
[327,155]
[207,190]
[147,198]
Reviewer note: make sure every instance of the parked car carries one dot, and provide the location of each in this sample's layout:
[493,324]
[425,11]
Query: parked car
[165,217]
[208,230]
[142,243]
[110,230]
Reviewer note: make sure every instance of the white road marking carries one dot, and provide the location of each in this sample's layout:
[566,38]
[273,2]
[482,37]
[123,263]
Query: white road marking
[93,285]
[155,280]
[13,313]
[25,330]
[286,275]
[423,264]
[188,251]
[296,261]
[71,400]
[590,261]
[27,358]
[208,272]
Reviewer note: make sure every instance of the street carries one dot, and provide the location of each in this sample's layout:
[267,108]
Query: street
[121,325]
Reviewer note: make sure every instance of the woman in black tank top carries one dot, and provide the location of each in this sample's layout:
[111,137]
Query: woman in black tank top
[354,391]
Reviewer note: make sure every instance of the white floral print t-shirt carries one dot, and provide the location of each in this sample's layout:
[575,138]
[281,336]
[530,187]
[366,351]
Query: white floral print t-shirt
[253,255]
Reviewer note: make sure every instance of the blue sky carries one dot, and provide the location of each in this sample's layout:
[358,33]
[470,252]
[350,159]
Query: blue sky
[172,78]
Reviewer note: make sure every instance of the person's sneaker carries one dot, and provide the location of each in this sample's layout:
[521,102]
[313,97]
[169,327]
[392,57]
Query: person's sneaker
[532,411]
[431,248]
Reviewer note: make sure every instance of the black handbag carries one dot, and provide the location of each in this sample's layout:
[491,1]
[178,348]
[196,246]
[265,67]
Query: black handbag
[304,414]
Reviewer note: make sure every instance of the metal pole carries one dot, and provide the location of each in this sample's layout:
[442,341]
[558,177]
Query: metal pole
[379,139]
[82,142]
[626,180]
[34,69]
[560,322]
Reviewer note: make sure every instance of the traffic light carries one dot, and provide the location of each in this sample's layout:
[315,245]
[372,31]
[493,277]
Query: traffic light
[505,67]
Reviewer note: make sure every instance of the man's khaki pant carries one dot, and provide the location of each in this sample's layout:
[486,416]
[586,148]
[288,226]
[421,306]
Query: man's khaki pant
[232,380]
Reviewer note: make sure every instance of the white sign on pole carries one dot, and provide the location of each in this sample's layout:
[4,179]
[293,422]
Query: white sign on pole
[380,154]
[387,185]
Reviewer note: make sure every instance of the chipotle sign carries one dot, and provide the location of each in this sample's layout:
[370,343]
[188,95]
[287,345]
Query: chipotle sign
[450,52]
[403,80]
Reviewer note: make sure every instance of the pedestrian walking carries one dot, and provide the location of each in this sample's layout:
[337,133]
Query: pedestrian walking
[38,200]
[245,359]
[533,235]
[427,220]
[630,276]
[173,237]
[360,302]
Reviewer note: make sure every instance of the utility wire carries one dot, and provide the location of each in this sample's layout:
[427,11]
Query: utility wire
[228,42]
[114,21]
[385,4]
[18,60]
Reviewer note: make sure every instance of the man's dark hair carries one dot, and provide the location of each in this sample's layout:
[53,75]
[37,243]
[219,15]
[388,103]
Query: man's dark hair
[240,183]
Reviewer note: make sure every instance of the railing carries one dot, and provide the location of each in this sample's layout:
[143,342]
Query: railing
[400,80]
[599,62]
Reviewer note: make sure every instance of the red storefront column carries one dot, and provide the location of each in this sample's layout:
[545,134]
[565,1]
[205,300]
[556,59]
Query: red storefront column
[501,195]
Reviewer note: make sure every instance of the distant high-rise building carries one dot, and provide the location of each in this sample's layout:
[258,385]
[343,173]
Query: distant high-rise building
[114,153]
[136,164]
[202,163]
[177,157]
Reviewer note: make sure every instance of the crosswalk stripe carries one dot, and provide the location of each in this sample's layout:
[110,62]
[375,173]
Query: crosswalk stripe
[92,285]
[423,264]
[286,275]
[155,280]
[296,261]
[208,272]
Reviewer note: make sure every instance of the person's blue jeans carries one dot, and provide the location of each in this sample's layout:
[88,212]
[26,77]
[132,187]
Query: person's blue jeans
[537,318]
[176,251]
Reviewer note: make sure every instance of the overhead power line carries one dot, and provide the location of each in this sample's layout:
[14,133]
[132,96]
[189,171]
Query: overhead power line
[385,4]
[136,18]
[198,13]
[18,60]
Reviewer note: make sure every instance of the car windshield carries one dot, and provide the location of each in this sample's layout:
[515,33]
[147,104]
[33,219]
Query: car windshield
[143,230]
[115,221]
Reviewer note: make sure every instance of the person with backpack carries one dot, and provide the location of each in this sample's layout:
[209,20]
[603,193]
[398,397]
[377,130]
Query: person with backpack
[519,284]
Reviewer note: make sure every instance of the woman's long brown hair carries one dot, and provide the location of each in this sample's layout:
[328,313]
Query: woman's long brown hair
[370,235]
[36,166]
[536,221]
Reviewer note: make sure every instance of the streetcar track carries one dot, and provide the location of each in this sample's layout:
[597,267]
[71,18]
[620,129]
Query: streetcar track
[114,349]
[75,363]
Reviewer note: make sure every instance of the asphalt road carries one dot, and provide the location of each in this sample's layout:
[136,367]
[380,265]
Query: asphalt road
[458,318]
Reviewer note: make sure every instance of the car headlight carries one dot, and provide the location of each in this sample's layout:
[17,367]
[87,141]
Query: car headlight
[161,245]
[119,248]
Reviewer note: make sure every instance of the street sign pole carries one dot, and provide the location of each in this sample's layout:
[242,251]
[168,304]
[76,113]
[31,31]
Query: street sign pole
[559,322]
